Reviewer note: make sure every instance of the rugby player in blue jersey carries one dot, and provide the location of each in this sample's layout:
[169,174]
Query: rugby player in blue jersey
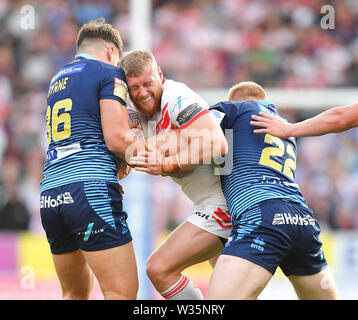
[81,205]
[272,224]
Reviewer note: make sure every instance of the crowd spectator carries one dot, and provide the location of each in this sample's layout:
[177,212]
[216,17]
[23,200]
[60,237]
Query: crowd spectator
[205,44]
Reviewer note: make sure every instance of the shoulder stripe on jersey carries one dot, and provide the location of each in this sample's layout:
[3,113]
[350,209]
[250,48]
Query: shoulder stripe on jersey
[201,113]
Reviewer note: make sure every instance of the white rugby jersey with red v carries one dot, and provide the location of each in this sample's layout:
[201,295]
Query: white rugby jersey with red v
[180,107]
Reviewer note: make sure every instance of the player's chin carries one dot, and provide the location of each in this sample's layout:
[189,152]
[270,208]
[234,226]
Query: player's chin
[147,108]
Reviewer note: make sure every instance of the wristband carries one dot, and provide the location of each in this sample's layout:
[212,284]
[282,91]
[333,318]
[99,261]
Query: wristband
[168,168]
[163,172]
[177,157]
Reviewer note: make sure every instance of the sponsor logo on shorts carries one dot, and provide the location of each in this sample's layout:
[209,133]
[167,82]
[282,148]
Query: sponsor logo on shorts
[228,241]
[202,215]
[288,218]
[223,218]
[50,202]
[90,231]
[320,253]
[258,244]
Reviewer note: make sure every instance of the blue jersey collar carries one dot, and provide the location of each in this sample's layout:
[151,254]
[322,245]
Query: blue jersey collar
[266,103]
[86,56]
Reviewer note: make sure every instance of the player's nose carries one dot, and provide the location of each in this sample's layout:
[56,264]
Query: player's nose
[142,93]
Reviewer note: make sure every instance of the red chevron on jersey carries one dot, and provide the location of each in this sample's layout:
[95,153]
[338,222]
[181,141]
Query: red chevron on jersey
[161,119]
[164,121]
[222,218]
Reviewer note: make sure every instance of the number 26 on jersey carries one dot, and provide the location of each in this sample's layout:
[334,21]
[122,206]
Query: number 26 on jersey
[58,122]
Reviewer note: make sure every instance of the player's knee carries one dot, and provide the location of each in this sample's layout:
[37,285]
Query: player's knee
[152,268]
[76,295]
[81,291]
[117,290]
[128,294]
[156,268]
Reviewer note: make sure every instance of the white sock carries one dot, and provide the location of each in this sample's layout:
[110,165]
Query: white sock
[183,289]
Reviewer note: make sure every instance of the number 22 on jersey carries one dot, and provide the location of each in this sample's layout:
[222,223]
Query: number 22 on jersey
[285,153]
[59,115]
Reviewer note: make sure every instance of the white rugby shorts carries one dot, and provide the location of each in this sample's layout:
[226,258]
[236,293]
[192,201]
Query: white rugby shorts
[214,219]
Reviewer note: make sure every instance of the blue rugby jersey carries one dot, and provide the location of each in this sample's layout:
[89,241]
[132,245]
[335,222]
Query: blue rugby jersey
[263,166]
[77,150]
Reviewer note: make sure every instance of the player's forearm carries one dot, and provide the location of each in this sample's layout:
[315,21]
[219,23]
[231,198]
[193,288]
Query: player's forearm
[167,143]
[199,151]
[333,120]
[125,145]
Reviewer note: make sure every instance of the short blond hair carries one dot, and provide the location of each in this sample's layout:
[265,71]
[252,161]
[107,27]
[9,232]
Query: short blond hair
[133,62]
[247,90]
[98,29]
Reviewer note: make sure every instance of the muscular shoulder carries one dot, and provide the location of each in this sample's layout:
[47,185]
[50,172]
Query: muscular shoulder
[178,98]
[179,95]
[240,107]
[229,111]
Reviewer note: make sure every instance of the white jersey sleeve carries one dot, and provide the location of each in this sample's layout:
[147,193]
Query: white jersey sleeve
[139,123]
[183,104]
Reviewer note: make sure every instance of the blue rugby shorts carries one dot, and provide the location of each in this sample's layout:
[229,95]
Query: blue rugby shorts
[84,215]
[277,233]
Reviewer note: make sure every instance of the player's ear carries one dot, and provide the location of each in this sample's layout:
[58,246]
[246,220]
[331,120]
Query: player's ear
[110,54]
[160,73]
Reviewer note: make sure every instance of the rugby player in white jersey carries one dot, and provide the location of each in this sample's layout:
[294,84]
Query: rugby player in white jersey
[175,107]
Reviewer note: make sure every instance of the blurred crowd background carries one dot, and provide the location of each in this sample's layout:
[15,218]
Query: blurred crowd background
[205,44]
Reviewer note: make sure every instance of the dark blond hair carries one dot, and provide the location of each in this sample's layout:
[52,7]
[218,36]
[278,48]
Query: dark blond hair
[133,62]
[98,29]
[246,91]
